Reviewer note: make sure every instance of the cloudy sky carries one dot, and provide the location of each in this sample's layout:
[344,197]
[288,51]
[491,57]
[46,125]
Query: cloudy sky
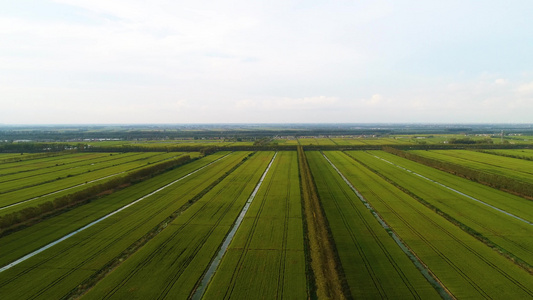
[156,61]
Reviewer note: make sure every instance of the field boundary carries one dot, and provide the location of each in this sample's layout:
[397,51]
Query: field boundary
[328,281]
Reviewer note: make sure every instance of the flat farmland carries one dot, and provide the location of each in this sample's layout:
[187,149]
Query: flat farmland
[374,265]
[307,141]
[6,156]
[522,153]
[187,244]
[506,166]
[466,267]
[269,241]
[292,141]
[236,225]
[61,268]
[503,219]
[29,184]
[20,243]
[347,141]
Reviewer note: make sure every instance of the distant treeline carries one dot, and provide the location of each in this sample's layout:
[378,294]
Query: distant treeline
[172,134]
[34,214]
[504,183]
[29,147]
[469,141]
[261,145]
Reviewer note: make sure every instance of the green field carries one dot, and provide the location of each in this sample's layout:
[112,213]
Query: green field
[41,180]
[522,154]
[235,225]
[508,233]
[188,243]
[506,166]
[269,241]
[465,266]
[63,267]
[374,265]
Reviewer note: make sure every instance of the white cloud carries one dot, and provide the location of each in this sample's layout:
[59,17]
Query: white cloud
[500,81]
[287,103]
[525,88]
[191,61]
[376,99]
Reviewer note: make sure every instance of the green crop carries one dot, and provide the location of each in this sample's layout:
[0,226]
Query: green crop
[266,258]
[465,265]
[374,265]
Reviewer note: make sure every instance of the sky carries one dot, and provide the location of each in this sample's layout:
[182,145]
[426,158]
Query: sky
[140,61]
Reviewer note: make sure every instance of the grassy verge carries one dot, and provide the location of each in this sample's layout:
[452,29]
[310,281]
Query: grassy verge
[324,261]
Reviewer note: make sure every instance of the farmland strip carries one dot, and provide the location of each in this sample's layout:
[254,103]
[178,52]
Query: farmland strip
[506,180]
[188,244]
[73,187]
[466,266]
[68,264]
[214,265]
[44,162]
[483,161]
[66,163]
[26,182]
[17,244]
[16,262]
[507,236]
[416,261]
[68,184]
[519,154]
[268,242]
[59,191]
[374,265]
[456,191]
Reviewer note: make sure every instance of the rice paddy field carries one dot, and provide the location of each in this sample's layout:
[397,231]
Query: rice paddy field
[30,182]
[234,225]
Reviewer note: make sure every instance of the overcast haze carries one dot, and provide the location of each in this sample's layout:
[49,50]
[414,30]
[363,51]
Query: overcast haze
[103,61]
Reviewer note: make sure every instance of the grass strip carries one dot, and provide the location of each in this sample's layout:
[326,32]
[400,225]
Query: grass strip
[325,264]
